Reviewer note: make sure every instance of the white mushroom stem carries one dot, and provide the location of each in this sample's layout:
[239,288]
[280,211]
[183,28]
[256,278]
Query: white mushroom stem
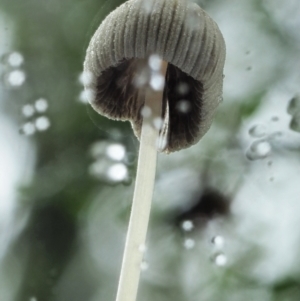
[142,198]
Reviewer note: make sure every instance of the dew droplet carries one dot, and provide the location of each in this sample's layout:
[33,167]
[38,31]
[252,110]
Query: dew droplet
[183,88]
[220,259]
[146,112]
[142,248]
[16,78]
[141,78]
[258,131]
[295,123]
[218,241]
[258,150]
[117,172]
[86,96]
[158,123]
[294,106]
[144,266]
[155,62]
[28,110]
[86,78]
[28,129]
[187,225]
[157,82]
[189,243]
[42,123]
[183,106]
[15,59]
[147,6]
[116,151]
[130,158]
[41,105]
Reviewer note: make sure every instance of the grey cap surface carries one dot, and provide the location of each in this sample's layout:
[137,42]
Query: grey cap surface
[179,32]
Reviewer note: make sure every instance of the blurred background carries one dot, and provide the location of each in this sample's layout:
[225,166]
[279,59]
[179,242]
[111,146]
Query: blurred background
[225,221]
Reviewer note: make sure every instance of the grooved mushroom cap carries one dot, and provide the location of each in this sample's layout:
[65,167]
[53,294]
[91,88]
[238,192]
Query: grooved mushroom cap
[179,32]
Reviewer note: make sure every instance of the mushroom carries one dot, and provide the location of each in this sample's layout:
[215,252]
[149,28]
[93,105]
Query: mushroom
[158,64]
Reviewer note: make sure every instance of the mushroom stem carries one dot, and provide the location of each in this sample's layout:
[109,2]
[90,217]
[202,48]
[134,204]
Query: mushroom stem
[142,198]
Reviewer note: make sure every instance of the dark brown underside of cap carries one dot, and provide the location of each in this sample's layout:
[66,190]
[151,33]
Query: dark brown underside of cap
[117,97]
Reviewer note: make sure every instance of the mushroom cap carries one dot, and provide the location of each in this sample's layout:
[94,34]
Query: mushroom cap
[179,32]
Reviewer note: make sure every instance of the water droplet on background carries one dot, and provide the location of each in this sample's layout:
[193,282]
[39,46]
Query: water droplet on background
[41,105]
[258,150]
[28,110]
[187,225]
[189,243]
[183,88]
[16,78]
[218,241]
[33,299]
[155,62]
[258,131]
[294,106]
[142,248]
[117,172]
[86,96]
[220,259]
[15,59]
[130,158]
[158,123]
[295,123]
[144,266]
[116,152]
[157,82]
[183,106]
[85,78]
[42,123]
[146,112]
[28,129]
[106,171]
